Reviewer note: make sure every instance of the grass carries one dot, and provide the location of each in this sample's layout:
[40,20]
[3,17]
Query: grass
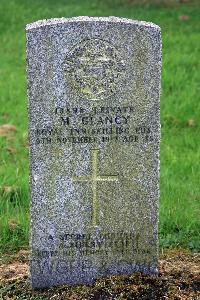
[180,112]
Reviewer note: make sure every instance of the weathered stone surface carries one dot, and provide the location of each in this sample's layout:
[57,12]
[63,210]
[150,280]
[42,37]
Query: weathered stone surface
[93,88]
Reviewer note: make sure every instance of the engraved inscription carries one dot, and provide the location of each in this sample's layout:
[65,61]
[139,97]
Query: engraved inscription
[75,125]
[87,244]
[93,68]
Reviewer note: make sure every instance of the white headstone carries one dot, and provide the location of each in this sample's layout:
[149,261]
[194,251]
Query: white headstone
[93,88]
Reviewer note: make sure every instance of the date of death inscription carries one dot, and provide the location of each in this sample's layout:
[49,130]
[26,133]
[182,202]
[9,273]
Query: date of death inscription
[99,125]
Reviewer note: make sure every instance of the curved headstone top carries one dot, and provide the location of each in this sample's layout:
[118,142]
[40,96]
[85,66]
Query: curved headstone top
[94,132]
[111,19]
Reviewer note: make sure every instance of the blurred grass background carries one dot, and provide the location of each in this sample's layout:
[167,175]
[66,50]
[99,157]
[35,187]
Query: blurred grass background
[180,111]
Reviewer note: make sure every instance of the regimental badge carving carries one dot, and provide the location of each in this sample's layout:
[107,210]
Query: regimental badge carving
[93,68]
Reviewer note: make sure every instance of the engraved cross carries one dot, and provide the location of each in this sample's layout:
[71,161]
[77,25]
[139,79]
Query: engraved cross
[94,178]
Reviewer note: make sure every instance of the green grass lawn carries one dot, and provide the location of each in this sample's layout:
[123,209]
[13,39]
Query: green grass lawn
[180,113]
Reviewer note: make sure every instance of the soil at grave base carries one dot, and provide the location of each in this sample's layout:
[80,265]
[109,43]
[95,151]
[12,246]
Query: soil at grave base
[179,278]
